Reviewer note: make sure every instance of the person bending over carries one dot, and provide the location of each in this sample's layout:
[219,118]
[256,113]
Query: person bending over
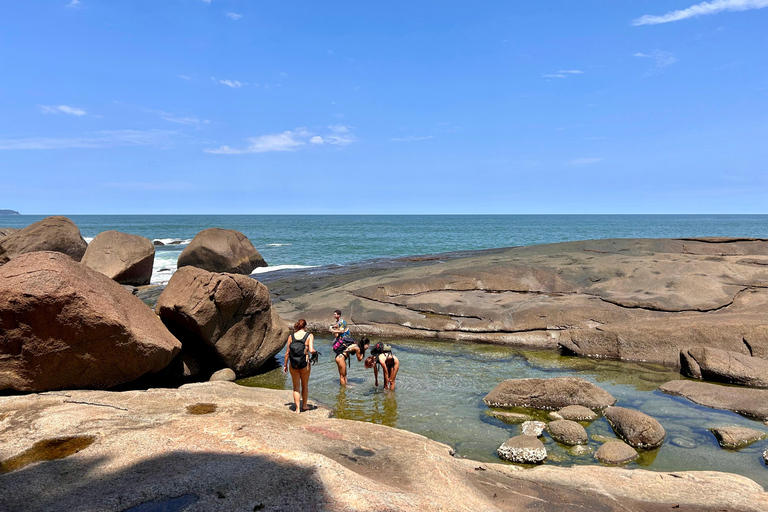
[299,347]
[381,355]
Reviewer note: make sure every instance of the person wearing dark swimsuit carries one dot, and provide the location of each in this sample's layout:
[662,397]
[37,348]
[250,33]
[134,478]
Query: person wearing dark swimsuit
[297,352]
[389,363]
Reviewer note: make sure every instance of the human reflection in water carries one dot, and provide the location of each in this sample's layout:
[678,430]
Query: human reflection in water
[384,409]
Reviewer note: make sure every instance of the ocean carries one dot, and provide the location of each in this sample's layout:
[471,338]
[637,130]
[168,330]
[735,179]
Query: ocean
[302,241]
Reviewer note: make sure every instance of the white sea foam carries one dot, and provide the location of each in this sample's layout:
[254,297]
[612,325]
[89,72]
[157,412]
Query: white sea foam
[88,239]
[277,245]
[262,270]
[170,241]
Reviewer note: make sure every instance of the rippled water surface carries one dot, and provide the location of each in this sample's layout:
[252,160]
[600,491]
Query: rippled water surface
[441,385]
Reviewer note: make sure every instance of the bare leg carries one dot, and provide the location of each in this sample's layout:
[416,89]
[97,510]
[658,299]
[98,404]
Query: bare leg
[295,377]
[393,373]
[342,364]
[304,389]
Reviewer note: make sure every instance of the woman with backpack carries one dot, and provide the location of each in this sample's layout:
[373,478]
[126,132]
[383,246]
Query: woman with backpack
[297,353]
[381,355]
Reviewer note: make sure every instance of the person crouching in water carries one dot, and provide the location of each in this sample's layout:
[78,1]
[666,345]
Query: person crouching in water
[381,355]
[300,345]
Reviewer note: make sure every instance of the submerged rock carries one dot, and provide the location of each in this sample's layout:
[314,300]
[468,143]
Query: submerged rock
[567,432]
[615,452]
[523,449]
[752,403]
[724,366]
[548,394]
[737,437]
[221,250]
[508,417]
[127,259]
[66,326]
[58,234]
[635,427]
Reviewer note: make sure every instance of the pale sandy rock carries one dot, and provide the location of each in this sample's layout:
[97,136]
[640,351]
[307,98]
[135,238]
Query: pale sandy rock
[548,394]
[524,449]
[615,452]
[752,403]
[724,366]
[635,427]
[532,428]
[737,437]
[225,374]
[577,413]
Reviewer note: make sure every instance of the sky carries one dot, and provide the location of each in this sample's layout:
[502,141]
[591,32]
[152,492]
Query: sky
[249,107]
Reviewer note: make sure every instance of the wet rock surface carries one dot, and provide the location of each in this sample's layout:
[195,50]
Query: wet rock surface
[631,299]
[524,449]
[724,366]
[532,428]
[548,394]
[636,428]
[65,325]
[577,413]
[737,437]
[120,256]
[221,250]
[567,432]
[752,403]
[509,417]
[615,452]
[57,234]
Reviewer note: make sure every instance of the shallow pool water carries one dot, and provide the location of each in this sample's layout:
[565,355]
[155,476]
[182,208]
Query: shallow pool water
[441,385]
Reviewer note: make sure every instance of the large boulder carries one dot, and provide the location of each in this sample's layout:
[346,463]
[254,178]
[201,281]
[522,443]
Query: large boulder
[64,326]
[523,449]
[567,432]
[58,234]
[635,427]
[725,366]
[548,394]
[127,259]
[737,437]
[222,319]
[752,403]
[221,250]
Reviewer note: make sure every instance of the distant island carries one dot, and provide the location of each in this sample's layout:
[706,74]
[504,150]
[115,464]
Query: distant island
[9,212]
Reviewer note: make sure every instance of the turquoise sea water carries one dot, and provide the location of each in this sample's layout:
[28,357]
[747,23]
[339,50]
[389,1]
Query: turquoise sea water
[312,240]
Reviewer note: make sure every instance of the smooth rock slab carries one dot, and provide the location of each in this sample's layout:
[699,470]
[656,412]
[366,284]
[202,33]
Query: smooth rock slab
[533,428]
[577,413]
[737,437]
[567,432]
[548,394]
[615,452]
[752,403]
[635,427]
[724,366]
[126,258]
[523,449]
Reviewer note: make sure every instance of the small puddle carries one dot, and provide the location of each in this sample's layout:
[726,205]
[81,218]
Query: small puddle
[201,408]
[47,449]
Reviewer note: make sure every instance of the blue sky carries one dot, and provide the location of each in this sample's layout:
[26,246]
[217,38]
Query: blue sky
[226,106]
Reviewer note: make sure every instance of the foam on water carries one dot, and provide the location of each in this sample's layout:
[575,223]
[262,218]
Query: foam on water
[262,270]
[277,245]
[173,241]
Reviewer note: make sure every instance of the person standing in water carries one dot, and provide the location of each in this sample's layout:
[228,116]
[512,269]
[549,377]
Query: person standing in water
[381,355]
[300,345]
[344,345]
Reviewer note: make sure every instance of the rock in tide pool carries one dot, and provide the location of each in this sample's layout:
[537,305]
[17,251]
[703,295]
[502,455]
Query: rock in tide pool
[567,432]
[737,437]
[221,250]
[548,394]
[125,258]
[577,413]
[508,417]
[615,452]
[225,374]
[580,450]
[635,427]
[222,319]
[682,442]
[66,326]
[532,428]
[749,402]
[58,234]
[724,366]
[523,449]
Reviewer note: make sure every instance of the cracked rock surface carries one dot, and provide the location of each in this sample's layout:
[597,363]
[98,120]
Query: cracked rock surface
[634,299]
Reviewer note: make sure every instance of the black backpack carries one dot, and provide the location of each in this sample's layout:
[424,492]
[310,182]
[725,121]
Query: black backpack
[297,352]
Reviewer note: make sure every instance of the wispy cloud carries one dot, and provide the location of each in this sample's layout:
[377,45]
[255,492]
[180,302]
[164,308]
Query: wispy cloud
[102,139]
[58,109]
[564,73]
[291,140]
[144,186]
[180,119]
[411,138]
[584,161]
[661,58]
[233,15]
[75,4]
[713,7]
[230,83]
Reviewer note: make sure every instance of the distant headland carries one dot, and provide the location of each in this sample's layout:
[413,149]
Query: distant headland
[9,212]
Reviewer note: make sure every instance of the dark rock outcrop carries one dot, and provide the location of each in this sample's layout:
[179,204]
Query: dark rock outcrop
[724,366]
[221,250]
[58,234]
[125,258]
[548,394]
[66,326]
[737,437]
[523,449]
[636,428]
[567,432]
[222,320]
[752,403]
[615,452]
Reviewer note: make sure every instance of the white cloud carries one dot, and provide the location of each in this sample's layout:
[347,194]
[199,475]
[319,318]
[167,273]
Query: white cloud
[75,4]
[288,141]
[584,161]
[233,15]
[46,109]
[701,9]
[411,138]
[662,59]
[564,73]
[230,83]
[102,139]
[175,118]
